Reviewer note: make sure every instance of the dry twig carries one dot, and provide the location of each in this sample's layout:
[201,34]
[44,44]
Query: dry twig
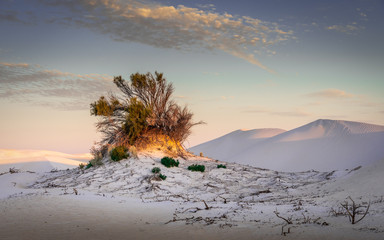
[353,210]
[287,220]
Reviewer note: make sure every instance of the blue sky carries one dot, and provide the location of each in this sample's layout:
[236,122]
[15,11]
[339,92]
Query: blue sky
[236,64]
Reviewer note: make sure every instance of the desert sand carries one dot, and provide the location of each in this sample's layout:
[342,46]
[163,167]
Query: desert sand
[122,200]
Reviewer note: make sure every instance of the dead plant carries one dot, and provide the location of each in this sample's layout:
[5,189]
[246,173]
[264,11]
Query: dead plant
[354,209]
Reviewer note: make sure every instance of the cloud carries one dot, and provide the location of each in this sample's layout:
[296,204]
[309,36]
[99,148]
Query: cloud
[348,29]
[336,96]
[206,6]
[331,93]
[23,65]
[361,14]
[22,82]
[179,27]
[9,16]
[351,28]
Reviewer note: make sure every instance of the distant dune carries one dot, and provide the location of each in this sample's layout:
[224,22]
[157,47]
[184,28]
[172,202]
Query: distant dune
[231,144]
[322,145]
[39,161]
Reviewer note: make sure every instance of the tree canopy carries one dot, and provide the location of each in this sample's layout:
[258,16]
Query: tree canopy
[145,110]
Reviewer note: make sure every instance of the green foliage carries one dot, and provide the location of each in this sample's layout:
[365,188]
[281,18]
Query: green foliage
[118,153]
[196,168]
[96,161]
[98,153]
[136,121]
[156,170]
[88,165]
[104,107]
[158,175]
[221,166]
[169,162]
[92,163]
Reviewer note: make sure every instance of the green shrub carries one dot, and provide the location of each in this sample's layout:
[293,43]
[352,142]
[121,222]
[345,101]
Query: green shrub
[119,153]
[144,107]
[163,177]
[169,162]
[88,165]
[156,170]
[136,121]
[221,166]
[196,168]
[96,162]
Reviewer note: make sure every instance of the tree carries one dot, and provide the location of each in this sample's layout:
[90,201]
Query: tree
[144,111]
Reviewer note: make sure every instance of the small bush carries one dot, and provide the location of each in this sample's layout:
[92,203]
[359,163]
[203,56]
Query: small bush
[88,165]
[163,177]
[99,151]
[352,209]
[169,162]
[221,166]
[196,168]
[96,162]
[156,170]
[14,170]
[119,153]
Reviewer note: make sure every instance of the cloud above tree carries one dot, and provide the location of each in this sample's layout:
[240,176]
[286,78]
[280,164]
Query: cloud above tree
[22,82]
[180,27]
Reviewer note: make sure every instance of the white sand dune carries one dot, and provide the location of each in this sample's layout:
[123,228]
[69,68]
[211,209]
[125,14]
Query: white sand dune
[323,145]
[119,199]
[123,200]
[239,140]
[39,161]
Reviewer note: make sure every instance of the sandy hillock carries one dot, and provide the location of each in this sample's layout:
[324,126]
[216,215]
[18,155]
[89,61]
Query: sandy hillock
[322,145]
[236,202]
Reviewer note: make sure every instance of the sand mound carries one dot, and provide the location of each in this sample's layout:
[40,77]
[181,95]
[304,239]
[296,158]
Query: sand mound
[322,145]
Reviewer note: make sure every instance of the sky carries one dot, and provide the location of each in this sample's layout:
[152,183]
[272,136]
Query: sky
[242,64]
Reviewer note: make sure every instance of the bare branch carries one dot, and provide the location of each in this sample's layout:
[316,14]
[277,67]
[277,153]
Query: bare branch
[287,220]
[365,213]
[353,211]
[206,205]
